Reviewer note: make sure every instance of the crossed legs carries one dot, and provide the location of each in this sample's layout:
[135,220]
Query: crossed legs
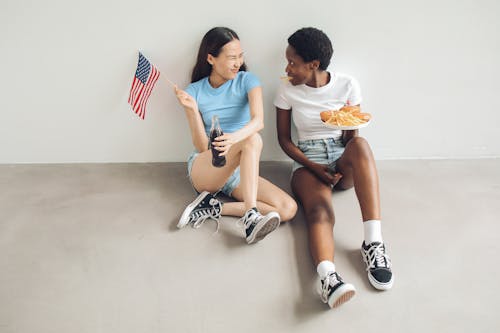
[253,191]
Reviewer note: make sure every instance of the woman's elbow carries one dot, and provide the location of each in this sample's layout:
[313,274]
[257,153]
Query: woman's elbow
[283,142]
[280,142]
[200,147]
[260,125]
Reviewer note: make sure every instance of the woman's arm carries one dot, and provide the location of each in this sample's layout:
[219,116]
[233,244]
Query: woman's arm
[256,123]
[198,135]
[283,123]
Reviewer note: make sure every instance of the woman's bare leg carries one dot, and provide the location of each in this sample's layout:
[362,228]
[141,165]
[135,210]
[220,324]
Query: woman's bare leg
[270,198]
[358,169]
[357,166]
[249,170]
[316,199]
[246,154]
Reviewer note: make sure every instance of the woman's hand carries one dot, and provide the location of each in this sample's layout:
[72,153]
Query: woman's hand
[324,173]
[224,143]
[186,100]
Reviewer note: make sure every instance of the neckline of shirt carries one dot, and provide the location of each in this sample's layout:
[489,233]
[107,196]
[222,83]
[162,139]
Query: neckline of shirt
[330,83]
[221,88]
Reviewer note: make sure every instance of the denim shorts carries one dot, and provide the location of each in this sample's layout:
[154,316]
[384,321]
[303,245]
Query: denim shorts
[322,151]
[228,188]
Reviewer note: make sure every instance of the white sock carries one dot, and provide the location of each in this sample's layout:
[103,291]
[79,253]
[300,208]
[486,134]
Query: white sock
[373,231]
[324,268]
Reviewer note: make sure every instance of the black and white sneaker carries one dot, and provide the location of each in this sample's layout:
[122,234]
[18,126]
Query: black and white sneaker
[204,207]
[257,226]
[378,265]
[334,291]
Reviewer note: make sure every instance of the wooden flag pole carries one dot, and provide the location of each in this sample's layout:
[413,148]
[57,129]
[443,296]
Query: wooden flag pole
[170,82]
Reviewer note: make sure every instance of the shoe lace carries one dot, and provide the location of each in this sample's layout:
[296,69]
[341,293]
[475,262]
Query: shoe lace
[329,281]
[214,212]
[377,257]
[250,217]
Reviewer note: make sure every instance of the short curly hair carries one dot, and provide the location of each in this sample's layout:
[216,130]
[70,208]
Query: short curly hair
[312,44]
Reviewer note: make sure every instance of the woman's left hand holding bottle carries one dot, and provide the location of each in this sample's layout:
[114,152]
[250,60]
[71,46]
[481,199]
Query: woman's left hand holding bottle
[224,142]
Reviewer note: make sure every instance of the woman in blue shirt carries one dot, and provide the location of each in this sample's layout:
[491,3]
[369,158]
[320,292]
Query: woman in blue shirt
[221,86]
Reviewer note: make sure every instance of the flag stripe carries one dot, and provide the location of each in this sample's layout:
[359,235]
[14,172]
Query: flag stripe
[141,88]
[133,89]
[137,89]
[148,89]
[135,85]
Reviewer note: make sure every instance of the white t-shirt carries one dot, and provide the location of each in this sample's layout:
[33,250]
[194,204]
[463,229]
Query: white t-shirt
[306,103]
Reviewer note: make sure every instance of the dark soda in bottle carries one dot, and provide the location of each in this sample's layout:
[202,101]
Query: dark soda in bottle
[216,131]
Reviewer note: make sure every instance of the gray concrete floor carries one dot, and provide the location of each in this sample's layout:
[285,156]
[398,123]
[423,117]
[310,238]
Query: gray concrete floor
[94,248]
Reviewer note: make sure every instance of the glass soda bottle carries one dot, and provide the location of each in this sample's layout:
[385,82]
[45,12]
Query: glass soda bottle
[216,131]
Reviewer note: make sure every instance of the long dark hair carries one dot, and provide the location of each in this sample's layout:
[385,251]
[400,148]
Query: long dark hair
[212,43]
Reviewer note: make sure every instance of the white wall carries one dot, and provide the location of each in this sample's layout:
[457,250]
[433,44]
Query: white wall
[429,73]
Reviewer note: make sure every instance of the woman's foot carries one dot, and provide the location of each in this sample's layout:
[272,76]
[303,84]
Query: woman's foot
[204,207]
[334,291]
[378,265]
[258,226]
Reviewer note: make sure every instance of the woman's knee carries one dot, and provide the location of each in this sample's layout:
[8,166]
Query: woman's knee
[254,141]
[287,208]
[319,213]
[359,145]
[356,151]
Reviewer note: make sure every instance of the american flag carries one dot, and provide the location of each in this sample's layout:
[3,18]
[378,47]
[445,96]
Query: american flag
[145,78]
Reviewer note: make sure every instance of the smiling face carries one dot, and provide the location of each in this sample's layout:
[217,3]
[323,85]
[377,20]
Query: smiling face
[227,64]
[300,72]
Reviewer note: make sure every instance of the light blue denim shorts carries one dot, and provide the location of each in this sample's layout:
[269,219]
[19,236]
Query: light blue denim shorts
[323,151]
[229,186]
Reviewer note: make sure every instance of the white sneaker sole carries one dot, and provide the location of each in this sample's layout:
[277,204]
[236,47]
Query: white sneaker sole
[264,227]
[341,295]
[183,221]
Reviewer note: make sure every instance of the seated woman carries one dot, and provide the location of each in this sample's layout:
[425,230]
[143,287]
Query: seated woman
[325,159]
[221,86]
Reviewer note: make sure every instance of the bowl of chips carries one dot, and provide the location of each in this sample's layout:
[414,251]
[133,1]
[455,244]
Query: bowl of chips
[346,118]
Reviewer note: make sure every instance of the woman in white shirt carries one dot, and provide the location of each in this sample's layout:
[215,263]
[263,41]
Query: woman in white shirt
[325,159]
